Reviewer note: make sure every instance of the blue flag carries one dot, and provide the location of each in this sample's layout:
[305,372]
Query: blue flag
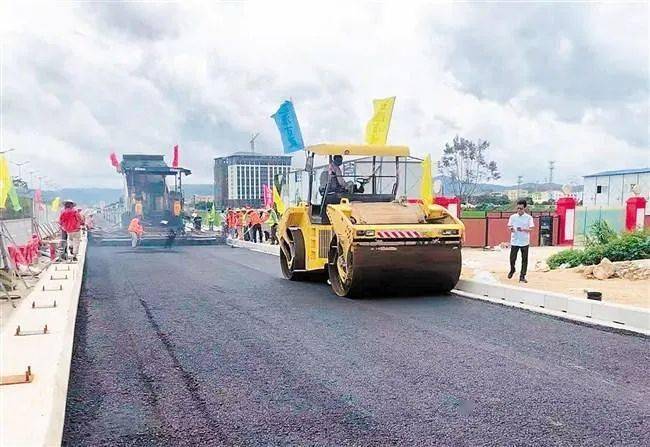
[287,122]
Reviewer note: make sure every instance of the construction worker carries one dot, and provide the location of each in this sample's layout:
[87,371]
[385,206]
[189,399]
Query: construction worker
[273,221]
[239,223]
[336,181]
[256,218]
[136,230]
[230,223]
[70,220]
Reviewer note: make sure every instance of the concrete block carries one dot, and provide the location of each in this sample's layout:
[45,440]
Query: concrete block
[639,319]
[579,307]
[520,295]
[497,292]
[553,301]
[470,286]
[512,294]
[532,298]
[606,312]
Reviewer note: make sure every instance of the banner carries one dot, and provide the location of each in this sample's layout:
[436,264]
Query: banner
[56,204]
[6,184]
[175,160]
[287,122]
[15,202]
[267,196]
[277,200]
[377,127]
[426,186]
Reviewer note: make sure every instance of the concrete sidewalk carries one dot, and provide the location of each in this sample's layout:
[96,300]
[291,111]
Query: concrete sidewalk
[486,265]
[32,414]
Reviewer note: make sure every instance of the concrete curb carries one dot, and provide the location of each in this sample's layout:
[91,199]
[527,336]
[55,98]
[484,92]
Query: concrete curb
[617,316]
[34,413]
[262,248]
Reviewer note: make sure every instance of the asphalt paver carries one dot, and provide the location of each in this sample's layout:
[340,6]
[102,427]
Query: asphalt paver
[205,346]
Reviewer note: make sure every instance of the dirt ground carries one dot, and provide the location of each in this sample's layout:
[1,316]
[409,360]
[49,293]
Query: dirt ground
[486,265]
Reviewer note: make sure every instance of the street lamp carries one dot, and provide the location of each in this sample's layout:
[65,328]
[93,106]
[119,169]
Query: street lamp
[20,165]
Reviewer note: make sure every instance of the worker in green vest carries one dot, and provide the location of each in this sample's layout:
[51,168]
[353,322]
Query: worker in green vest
[273,221]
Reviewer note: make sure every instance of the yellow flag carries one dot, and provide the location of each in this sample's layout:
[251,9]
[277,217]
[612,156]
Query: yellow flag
[377,127]
[277,200]
[56,203]
[426,187]
[5,181]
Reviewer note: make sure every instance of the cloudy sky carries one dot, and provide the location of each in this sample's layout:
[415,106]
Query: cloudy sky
[540,82]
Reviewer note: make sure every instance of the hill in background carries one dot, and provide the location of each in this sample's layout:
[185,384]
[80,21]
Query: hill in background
[93,196]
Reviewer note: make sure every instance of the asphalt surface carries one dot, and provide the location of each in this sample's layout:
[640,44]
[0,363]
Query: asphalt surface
[210,346]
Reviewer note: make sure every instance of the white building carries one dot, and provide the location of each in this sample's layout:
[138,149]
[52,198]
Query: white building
[613,188]
[515,194]
[239,178]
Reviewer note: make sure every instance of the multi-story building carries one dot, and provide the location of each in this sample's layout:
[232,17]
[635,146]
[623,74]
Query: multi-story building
[613,188]
[239,178]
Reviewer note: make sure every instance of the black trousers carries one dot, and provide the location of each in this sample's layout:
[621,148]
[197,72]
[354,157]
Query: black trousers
[524,259]
[274,234]
[257,230]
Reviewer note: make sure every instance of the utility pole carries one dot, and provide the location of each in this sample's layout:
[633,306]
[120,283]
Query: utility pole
[519,182]
[31,179]
[252,141]
[551,167]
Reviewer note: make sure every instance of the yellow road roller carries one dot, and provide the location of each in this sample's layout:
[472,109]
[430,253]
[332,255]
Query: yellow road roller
[354,229]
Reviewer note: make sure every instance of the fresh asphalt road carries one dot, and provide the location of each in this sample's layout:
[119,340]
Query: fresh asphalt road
[211,346]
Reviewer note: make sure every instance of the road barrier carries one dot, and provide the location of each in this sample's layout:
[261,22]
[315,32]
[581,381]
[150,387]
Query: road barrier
[618,316]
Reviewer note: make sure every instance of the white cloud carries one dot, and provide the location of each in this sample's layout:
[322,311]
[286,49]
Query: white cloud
[83,80]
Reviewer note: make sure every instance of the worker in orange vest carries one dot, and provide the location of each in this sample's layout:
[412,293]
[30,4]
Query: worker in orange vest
[256,218]
[239,224]
[136,230]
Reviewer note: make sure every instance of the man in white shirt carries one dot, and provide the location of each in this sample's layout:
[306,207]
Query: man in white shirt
[520,226]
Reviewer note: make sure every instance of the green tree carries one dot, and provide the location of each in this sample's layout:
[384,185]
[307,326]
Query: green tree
[465,163]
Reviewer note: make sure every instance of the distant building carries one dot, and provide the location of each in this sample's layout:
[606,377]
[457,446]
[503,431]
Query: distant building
[238,178]
[545,196]
[613,188]
[514,194]
[197,198]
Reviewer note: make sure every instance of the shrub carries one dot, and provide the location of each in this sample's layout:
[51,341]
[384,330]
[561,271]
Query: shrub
[571,257]
[600,233]
[627,247]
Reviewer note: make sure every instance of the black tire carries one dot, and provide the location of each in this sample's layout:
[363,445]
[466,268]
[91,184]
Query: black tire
[348,287]
[288,272]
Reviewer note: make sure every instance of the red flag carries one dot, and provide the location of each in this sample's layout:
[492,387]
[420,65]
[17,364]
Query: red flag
[175,161]
[37,196]
[114,162]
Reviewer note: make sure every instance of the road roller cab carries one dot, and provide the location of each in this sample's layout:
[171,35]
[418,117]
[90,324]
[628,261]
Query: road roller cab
[354,229]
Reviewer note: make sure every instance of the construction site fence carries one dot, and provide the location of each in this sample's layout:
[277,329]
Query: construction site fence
[585,217]
[492,229]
